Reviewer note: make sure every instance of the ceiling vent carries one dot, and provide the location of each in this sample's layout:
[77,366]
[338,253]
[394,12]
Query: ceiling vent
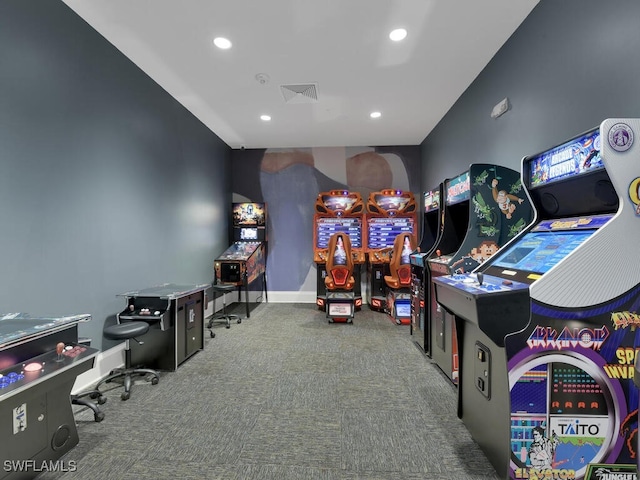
[300,93]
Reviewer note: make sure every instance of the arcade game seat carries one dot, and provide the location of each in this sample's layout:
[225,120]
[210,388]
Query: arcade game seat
[340,281]
[399,281]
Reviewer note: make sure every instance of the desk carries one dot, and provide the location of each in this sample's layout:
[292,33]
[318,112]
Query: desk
[37,425]
[175,314]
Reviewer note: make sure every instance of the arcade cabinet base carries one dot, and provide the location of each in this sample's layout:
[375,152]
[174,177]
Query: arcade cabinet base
[378,304]
[340,307]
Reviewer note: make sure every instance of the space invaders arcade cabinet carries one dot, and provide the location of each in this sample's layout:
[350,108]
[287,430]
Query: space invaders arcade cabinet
[550,322]
[245,262]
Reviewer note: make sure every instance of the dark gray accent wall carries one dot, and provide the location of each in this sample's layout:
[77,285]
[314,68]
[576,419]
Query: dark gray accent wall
[570,65]
[107,183]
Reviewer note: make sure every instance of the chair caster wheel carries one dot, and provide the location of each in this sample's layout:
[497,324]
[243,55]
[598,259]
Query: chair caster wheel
[228,326]
[102,400]
[154,381]
[125,396]
[213,335]
[239,320]
[98,417]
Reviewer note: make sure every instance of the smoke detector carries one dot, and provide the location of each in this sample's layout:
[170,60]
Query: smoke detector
[262,78]
[300,92]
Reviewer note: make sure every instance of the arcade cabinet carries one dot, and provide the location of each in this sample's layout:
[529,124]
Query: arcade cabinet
[339,280]
[389,213]
[40,359]
[484,209]
[550,323]
[245,261]
[175,314]
[420,273]
[338,211]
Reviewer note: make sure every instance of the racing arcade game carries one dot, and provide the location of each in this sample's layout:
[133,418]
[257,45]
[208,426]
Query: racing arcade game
[546,381]
[484,209]
[245,261]
[338,211]
[420,273]
[389,213]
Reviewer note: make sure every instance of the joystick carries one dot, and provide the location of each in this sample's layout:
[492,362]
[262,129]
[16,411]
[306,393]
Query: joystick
[480,277]
[59,349]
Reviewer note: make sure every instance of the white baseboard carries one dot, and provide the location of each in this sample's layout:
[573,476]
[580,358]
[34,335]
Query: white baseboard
[292,297]
[104,363]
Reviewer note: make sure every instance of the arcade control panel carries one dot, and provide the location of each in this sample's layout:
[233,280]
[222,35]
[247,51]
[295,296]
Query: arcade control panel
[320,256]
[147,309]
[497,305]
[381,256]
[23,375]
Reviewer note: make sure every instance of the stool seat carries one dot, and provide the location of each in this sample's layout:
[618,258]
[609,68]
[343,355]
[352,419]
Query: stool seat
[223,287]
[127,331]
[123,331]
[223,317]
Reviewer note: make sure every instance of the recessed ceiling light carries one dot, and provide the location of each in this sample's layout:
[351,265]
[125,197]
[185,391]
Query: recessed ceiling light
[265,118]
[398,34]
[222,43]
[375,114]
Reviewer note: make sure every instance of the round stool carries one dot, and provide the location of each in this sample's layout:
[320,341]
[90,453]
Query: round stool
[127,331]
[222,317]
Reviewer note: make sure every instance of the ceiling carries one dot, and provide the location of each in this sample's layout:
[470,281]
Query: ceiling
[340,47]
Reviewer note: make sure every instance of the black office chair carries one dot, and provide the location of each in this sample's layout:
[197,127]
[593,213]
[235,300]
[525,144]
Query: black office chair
[223,316]
[97,398]
[127,331]
[79,399]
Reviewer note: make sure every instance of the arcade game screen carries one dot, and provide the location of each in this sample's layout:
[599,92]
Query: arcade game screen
[248,233]
[248,214]
[327,226]
[382,232]
[537,252]
[431,200]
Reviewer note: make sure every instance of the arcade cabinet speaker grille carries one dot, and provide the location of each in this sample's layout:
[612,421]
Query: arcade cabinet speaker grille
[300,93]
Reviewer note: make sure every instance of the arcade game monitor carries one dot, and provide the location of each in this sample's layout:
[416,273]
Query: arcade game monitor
[389,213]
[338,211]
[546,383]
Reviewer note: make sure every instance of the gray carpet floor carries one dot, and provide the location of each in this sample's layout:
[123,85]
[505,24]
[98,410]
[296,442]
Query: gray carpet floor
[286,395]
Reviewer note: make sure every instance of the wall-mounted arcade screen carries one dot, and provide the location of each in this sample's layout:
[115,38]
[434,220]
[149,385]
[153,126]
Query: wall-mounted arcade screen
[327,226]
[432,200]
[572,158]
[249,214]
[458,189]
[382,232]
